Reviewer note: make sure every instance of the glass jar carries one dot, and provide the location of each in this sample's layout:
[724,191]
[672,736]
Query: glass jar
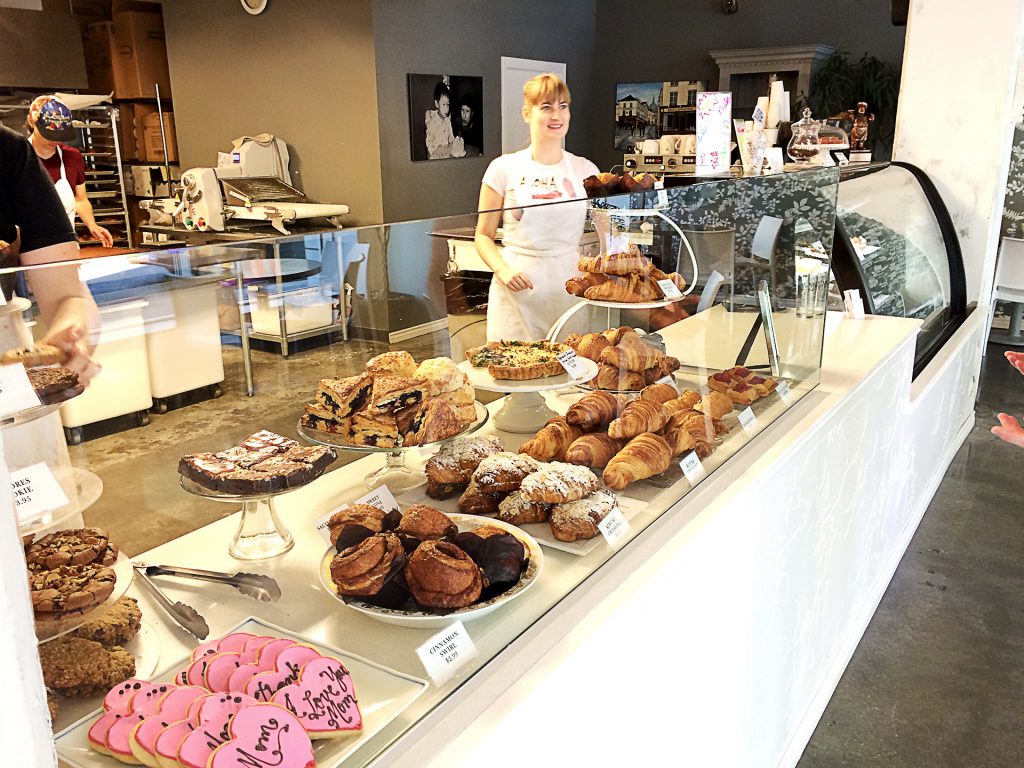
[804,146]
[832,137]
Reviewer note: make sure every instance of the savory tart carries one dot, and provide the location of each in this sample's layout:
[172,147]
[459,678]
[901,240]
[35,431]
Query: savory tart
[518,360]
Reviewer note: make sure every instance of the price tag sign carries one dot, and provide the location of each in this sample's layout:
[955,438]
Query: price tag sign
[668,380]
[572,364]
[381,498]
[692,468]
[36,493]
[747,419]
[16,393]
[615,529]
[446,652]
[669,290]
[783,389]
[662,198]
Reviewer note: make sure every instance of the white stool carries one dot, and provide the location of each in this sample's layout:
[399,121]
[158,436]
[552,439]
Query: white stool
[1009,286]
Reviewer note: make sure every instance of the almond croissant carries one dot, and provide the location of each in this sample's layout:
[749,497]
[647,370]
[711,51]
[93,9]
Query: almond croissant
[552,441]
[638,416]
[644,456]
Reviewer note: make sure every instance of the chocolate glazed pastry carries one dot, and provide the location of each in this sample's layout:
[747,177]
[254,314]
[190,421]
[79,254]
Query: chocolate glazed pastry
[499,554]
[363,516]
[363,569]
[440,575]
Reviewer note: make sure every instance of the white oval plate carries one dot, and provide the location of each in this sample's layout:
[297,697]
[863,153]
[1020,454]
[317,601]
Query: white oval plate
[425,620]
[481,379]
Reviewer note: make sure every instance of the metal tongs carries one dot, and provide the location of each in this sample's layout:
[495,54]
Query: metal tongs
[187,616]
[253,585]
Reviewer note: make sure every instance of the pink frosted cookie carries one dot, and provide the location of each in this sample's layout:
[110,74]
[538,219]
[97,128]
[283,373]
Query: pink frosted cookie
[267,657]
[234,642]
[263,735]
[144,703]
[194,673]
[323,699]
[218,670]
[286,671]
[251,650]
[242,675]
[214,714]
[118,699]
[205,649]
[98,730]
[168,741]
[172,708]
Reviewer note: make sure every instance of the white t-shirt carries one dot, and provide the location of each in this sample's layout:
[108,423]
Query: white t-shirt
[524,182]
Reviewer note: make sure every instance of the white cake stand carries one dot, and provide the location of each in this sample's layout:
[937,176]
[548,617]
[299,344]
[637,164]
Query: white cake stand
[524,411]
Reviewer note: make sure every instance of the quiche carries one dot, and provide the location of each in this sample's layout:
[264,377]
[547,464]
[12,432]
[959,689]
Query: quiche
[518,360]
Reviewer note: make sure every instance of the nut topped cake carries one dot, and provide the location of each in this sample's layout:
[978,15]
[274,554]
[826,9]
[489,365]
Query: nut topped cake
[263,462]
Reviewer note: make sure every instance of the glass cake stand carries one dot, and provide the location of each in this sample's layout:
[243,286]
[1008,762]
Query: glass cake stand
[260,534]
[395,474]
[525,410]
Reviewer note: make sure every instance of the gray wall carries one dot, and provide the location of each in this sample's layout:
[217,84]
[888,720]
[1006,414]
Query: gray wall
[678,35]
[303,70]
[468,37]
[40,50]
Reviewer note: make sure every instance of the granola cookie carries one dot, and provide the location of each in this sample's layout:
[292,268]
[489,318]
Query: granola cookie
[118,624]
[74,666]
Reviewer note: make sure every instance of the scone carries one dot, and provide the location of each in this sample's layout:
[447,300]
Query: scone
[379,431]
[118,624]
[429,422]
[396,392]
[440,374]
[398,363]
[339,398]
[73,665]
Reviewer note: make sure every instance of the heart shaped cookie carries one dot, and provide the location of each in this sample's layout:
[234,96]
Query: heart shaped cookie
[287,668]
[323,699]
[264,735]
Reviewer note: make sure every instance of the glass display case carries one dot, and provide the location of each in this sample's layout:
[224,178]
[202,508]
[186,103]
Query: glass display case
[649,389]
[895,242]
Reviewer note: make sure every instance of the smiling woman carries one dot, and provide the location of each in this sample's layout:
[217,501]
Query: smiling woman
[541,243]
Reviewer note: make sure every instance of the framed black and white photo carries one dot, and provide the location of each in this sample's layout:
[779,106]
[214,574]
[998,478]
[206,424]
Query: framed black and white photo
[446,118]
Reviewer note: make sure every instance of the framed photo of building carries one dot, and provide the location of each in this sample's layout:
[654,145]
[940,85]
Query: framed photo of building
[446,116]
[648,110]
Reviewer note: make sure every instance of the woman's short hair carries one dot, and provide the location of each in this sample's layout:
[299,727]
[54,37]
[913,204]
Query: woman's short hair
[545,88]
[441,90]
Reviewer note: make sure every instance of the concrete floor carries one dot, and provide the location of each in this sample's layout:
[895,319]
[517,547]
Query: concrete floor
[938,678]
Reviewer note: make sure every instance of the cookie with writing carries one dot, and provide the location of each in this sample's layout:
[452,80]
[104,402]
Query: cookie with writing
[211,730]
[262,736]
[323,699]
[286,671]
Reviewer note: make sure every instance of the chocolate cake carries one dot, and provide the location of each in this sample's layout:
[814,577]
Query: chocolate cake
[54,385]
[263,463]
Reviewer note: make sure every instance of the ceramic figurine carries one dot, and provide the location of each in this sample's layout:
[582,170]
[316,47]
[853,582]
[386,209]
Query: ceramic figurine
[860,119]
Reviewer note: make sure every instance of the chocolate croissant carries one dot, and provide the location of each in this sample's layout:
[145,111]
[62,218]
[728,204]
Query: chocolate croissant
[593,411]
[594,450]
[631,354]
[440,575]
[644,456]
[637,417]
[552,440]
[578,285]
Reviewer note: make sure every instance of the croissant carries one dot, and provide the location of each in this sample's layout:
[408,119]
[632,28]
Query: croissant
[593,411]
[594,450]
[715,404]
[590,346]
[552,441]
[638,416]
[675,277]
[661,369]
[644,456]
[680,441]
[686,401]
[579,284]
[700,428]
[631,354]
[610,377]
[659,393]
[631,262]
[630,290]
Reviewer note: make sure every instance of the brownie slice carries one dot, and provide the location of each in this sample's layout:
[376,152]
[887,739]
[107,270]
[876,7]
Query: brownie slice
[54,385]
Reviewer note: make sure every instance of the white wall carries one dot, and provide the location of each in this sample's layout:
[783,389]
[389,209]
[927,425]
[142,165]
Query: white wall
[956,116]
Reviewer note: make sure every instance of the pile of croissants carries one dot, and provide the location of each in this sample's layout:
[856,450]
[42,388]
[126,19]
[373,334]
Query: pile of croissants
[605,184]
[632,439]
[628,277]
[625,362]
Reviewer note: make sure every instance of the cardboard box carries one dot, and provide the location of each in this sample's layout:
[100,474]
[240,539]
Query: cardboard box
[140,56]
[98,45]
[126,134]
[153,143]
